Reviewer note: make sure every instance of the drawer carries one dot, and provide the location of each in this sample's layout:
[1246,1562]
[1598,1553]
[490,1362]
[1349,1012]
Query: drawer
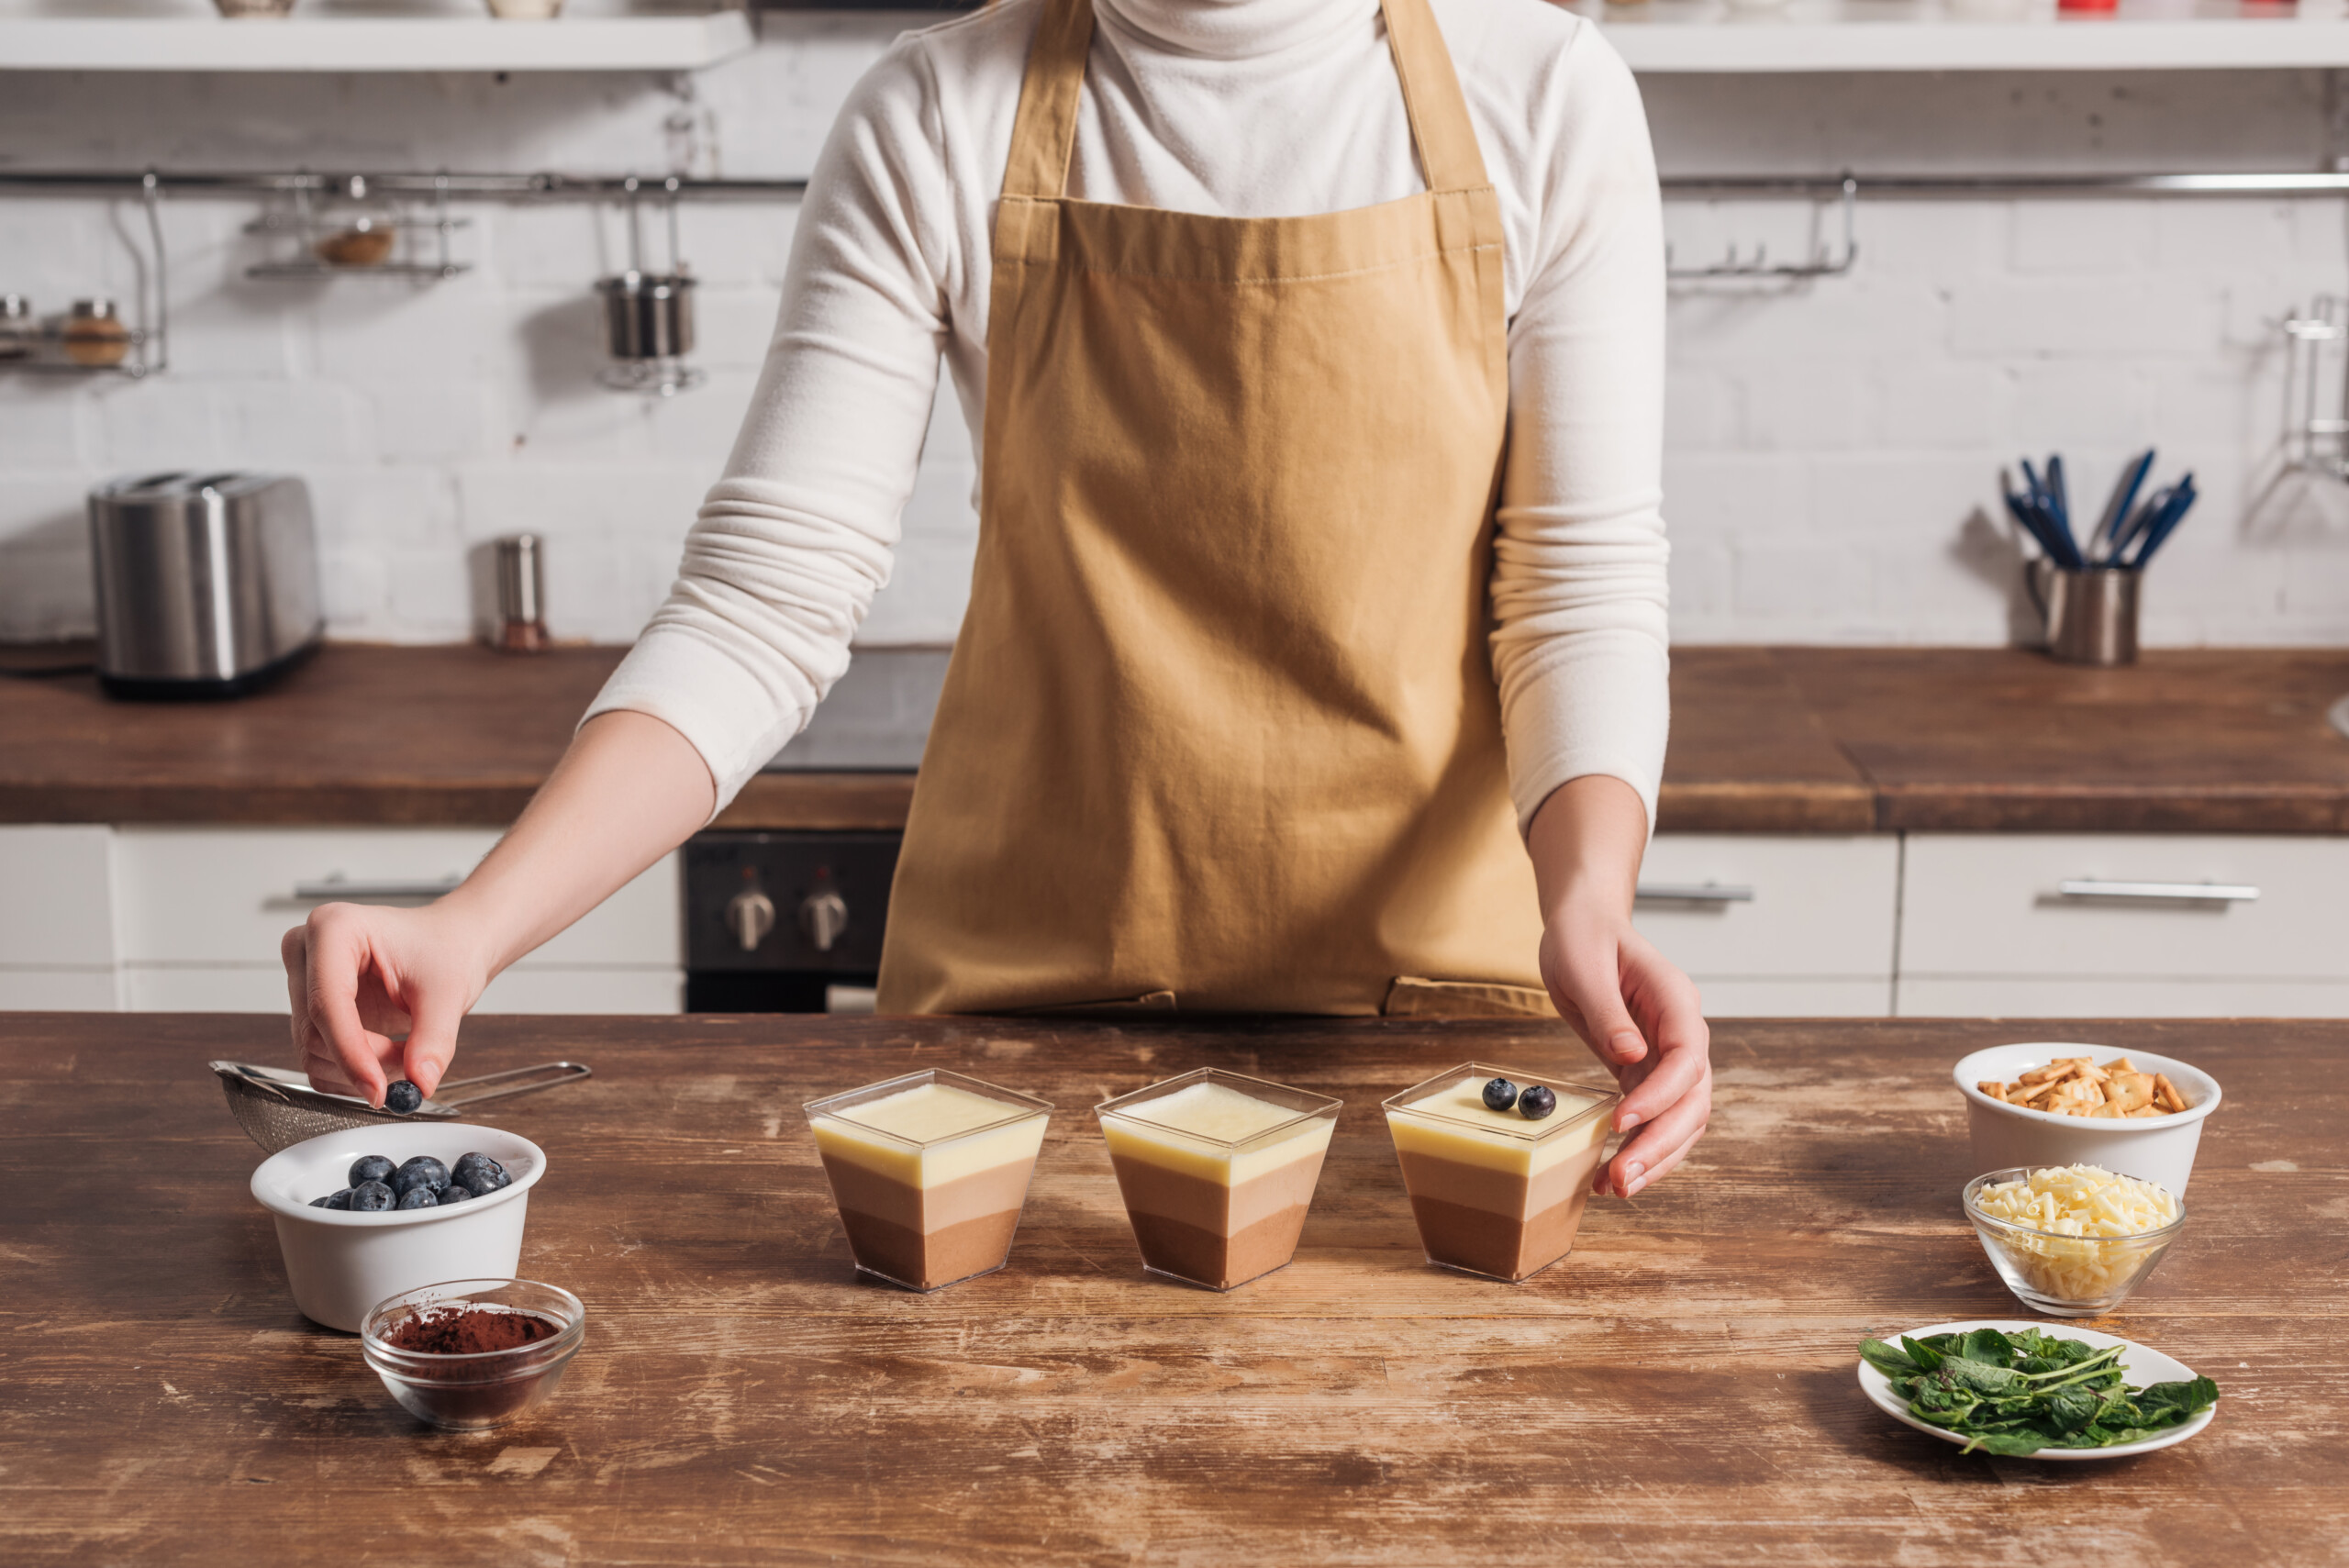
[1996,904]
[1809,998]
[227,896]
[2106,996]
[261,988]
[57,896]
[1814,906]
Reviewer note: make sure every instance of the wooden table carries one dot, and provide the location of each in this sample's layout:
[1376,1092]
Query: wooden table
[1678,1391]
[1764,740]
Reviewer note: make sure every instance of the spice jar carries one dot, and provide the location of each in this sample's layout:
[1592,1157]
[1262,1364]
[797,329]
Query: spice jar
[356,230]
[96,334]
[18,331]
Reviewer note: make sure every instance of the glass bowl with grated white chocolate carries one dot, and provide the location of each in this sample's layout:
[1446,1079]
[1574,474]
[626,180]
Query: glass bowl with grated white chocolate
[2072,1241]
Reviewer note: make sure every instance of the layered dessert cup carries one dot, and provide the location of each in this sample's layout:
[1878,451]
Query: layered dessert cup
[929,1172]
[1494,1193]
[1217,1170]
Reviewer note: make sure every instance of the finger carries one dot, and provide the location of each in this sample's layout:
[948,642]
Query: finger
[1684,1043]
[431,1042]
[293,951]
[1656,1172]
[1678,1124]
[1593,1003]
[1674,1077]
[337,953]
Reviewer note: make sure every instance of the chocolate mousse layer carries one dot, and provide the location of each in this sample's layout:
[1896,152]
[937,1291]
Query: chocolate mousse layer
[1490,1222]
[1211,1233]
[927,1237]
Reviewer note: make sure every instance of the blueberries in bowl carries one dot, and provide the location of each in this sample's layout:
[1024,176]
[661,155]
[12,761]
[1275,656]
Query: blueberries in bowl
[402,1097]
[423,1171]
[377,1185]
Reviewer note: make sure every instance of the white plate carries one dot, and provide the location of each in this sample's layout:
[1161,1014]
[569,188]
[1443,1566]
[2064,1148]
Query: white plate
[2140,1365]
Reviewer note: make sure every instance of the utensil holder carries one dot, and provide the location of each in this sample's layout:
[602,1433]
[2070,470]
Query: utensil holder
[2091,615]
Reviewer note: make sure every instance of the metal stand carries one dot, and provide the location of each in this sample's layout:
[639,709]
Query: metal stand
[149,342]
[2317,388]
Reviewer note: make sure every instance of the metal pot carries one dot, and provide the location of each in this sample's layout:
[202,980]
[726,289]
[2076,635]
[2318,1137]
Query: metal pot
[648,315]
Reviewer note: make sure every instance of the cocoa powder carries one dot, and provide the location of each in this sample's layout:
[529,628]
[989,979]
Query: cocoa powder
[470,1331]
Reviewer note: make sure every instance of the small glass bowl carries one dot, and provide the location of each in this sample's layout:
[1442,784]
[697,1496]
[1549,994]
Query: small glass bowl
[468,1393]
[2066,1277]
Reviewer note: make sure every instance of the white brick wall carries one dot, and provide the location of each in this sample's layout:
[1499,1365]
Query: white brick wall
[1832,448]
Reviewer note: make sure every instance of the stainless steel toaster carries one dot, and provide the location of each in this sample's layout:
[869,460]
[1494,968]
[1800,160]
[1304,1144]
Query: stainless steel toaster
[207,583]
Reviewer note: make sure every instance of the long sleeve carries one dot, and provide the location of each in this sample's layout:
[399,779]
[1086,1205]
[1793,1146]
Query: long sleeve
[790,545]
[1578,585]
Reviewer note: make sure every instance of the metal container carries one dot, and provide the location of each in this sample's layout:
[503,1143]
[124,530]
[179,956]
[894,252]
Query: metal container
[208,584]
[648,315]
[521,595]
[2091,615]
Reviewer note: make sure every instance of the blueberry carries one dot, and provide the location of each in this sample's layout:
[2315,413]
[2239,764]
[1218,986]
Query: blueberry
[370,1197]
[489,1181]
[468,1166]
[456,1193]
[338,1200]
[402,1097]
[371,1168]
[317,1203]
[1537,1102]
[423,1171]
[1500,1093]
[419,1197]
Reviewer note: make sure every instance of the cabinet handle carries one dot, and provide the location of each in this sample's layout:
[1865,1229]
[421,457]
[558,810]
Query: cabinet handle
[2177,892]
[1694,892]
[335,888]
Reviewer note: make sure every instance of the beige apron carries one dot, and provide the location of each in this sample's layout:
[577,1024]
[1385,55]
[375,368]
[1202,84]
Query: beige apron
[1220,729]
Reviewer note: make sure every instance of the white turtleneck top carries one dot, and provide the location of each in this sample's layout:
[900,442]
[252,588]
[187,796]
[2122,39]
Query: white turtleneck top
[1251,108]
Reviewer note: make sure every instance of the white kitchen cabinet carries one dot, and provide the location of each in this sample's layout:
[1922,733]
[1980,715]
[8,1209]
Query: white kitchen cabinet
[2089,925]
[1775,926]
[58,947]
[189,919]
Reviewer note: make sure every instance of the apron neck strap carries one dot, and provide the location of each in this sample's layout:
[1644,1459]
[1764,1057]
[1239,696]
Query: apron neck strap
[1043,136]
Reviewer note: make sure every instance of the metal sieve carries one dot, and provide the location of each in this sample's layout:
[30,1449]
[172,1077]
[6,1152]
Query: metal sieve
[278,1109]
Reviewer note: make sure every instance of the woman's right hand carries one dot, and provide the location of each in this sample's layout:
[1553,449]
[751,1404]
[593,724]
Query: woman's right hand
[362,976]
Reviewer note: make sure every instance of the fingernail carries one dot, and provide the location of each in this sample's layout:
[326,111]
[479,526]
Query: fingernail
[1627,1122]
[1635,1177]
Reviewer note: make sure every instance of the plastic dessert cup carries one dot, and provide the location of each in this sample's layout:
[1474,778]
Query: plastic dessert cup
[929,1172]
[1217,1170]
[1495,1193]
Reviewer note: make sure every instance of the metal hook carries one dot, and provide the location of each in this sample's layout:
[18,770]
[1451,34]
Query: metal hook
[1821,265]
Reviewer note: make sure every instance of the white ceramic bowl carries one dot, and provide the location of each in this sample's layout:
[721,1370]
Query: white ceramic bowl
[2156,1149]
[339,1264]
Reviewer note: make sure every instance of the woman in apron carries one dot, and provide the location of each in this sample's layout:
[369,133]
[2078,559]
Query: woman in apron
[1313,660]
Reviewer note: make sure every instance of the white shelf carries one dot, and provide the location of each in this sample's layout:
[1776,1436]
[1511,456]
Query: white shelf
[370,43]
[1700,36]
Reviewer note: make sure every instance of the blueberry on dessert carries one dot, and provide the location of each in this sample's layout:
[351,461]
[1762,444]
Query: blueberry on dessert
[1537,1102]
[1500,1093]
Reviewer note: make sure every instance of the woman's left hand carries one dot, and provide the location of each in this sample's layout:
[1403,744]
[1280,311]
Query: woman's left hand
[1636,1011]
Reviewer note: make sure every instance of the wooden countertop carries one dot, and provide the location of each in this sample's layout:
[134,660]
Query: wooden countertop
[1680,1390]
[1763,740]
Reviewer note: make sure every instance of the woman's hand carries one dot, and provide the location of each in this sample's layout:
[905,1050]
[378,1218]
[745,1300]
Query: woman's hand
[361,976]
[628,790]
[1638,1014]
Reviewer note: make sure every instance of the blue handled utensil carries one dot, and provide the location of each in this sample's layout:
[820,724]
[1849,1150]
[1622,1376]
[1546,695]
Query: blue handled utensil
[2053,535]
[2140,521]
[2104,543]
[2181,501]
[2056,495]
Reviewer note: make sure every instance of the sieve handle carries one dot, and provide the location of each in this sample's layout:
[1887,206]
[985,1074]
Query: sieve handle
[545,1075]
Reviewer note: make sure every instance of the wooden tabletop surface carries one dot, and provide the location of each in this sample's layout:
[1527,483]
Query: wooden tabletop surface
[1763,740]
[1679,1391]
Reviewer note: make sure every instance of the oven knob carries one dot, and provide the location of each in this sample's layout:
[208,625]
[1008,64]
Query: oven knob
[823,916]
[750,915]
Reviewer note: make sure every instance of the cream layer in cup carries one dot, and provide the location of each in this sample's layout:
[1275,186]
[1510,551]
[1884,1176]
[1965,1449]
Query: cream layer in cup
[1493,1192]
[1217,1170]
[929,1172]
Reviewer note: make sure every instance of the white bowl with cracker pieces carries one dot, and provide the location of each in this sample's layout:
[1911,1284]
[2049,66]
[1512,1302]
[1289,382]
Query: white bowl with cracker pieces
[2092,1099]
